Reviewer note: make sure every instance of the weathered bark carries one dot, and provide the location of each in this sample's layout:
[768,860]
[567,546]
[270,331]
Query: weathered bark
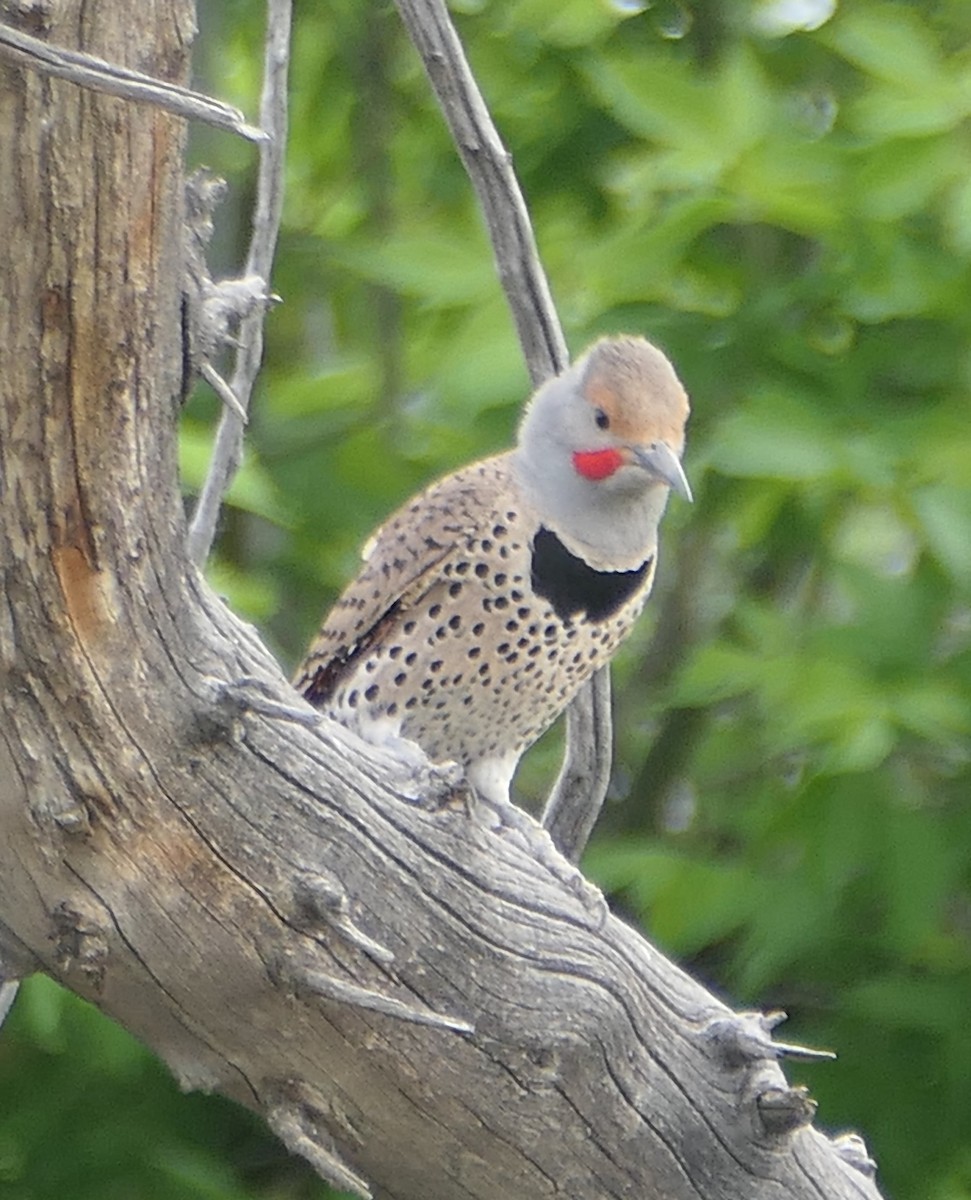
[230,884]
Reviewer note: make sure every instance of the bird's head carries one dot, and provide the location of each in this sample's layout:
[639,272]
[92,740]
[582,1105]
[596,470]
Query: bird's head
[630,412]
[601,443]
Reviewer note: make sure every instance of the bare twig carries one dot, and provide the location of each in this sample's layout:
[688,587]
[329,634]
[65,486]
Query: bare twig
[295,1127]
[578,794]
[490,169]
[223,391]
[88,71]
[308,982]
[582,783]
[228,449]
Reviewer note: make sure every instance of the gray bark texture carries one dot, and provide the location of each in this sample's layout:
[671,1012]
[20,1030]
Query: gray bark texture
[421,1004]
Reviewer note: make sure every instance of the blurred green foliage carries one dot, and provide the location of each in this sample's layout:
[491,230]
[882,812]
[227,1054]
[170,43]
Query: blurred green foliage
[788,212]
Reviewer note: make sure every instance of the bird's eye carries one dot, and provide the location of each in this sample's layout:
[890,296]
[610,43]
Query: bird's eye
[603,421]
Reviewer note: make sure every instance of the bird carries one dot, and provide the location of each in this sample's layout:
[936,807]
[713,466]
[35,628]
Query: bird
[486,602]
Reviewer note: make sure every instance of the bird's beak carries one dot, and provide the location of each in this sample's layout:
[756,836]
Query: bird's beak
[661,461]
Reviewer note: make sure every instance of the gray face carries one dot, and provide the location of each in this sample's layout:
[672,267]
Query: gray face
[598,450]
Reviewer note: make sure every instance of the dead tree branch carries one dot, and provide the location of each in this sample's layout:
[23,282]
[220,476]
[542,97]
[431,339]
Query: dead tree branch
[89,71]
[228,448]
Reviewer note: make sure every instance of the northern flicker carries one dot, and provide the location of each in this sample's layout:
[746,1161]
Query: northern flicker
[488,600]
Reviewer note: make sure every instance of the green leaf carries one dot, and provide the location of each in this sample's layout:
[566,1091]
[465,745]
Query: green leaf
[945,518]
[776,437]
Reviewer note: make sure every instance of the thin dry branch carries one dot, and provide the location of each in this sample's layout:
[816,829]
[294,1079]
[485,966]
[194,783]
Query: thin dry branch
[579,791]
[489,166]
[89,71]
[228,449]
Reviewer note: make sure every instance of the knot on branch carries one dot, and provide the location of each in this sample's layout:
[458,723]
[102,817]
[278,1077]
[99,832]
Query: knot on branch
[319,897]
[80,937]
[852,1149]
[226,702]
[784,1110]
[296,1113]
[213,311]
[71,816]
[745,1039]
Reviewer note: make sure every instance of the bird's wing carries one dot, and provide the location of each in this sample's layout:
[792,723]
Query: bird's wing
[403,561]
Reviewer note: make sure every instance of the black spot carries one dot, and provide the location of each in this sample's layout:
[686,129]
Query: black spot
[478,629]
[392,709]
[454,622]
[573,587]
[454,589]
[481,570]
[500,578]
[371,693]
[499,531]
[437,665]
[501,602]
[434,611]
[400,678]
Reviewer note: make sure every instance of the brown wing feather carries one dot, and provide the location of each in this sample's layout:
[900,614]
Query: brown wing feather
[403,562]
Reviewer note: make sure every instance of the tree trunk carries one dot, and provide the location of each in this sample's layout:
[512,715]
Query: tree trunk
[330,936]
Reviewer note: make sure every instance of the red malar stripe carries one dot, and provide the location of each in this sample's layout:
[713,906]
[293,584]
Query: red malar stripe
[597,464]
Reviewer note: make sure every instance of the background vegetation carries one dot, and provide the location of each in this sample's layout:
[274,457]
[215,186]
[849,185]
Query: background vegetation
[788,212]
